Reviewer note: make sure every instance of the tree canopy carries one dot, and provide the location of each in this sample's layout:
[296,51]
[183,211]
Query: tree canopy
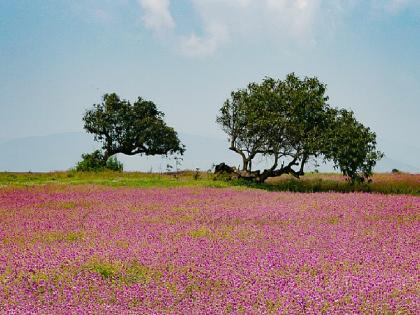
[290,122]
[137,128]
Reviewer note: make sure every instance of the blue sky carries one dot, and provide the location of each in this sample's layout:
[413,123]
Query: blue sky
[58,57]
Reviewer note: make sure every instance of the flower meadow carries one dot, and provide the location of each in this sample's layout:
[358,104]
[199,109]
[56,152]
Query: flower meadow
[98,250]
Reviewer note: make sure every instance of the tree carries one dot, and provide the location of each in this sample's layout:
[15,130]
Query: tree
[351,146]
[131,129]
[290,123]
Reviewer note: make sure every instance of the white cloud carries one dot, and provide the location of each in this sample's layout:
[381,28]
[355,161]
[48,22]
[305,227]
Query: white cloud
[223,20]
[281,22]
[296,19]
[203,46]
[156,15]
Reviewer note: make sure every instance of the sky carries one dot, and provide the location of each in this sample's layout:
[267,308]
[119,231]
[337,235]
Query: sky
[57,58]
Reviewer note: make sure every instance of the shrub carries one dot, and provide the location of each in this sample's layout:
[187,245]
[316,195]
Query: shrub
[95,162]
[114,165]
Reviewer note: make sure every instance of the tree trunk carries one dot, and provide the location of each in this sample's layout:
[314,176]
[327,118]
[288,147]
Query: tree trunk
[245,163]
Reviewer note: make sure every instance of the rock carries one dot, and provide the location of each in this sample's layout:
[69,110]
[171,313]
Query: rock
[223,168]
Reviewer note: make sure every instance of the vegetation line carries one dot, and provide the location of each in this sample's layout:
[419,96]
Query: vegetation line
[400,183]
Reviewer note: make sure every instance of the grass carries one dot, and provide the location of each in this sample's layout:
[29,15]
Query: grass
[127,273]
[109,178]
[386,183]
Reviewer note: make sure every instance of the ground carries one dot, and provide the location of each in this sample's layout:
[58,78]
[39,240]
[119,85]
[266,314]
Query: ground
[191,248]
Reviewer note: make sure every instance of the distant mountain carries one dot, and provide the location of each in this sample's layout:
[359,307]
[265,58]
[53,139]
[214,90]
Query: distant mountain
[399,155]
[62,151]
[201,152]
[387,165]
[44,153]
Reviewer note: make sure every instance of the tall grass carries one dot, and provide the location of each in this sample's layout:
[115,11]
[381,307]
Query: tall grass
[381,183]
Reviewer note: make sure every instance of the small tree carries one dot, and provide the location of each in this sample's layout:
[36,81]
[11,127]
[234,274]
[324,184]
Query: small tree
[131,129]
[291,123]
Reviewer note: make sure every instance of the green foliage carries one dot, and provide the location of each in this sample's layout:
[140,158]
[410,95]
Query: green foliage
[106,270]
[127,273]
[114,165]
[291,123]
[94,162]
[131,129]
[91,162]
[138,273]
[351,146]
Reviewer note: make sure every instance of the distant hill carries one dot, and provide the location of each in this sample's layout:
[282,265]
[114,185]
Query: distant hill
[201,152]
[44,153]
[387,164]
[399,155]
[62,151]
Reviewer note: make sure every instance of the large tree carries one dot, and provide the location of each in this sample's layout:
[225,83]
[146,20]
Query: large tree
[136,128]
[290,122]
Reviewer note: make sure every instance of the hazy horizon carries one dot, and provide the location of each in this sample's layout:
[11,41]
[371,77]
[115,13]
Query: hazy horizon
[59,152]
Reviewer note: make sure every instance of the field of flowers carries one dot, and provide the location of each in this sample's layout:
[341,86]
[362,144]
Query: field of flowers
[95,249]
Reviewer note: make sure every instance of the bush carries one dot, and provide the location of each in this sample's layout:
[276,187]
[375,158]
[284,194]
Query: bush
[95,162]
[114,165]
